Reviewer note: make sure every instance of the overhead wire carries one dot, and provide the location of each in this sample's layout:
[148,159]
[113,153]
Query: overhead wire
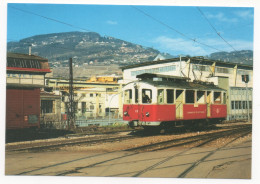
[175,30]
[211,25]
[52,19]
[148,15]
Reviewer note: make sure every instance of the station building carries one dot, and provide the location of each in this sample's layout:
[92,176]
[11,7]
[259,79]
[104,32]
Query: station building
[226,75]
[24,79]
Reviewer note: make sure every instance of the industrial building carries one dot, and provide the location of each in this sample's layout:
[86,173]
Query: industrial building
[201,69]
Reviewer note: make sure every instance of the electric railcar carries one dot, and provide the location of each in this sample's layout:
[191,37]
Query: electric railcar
[167,101]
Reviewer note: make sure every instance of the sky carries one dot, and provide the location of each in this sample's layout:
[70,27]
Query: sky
[177,30]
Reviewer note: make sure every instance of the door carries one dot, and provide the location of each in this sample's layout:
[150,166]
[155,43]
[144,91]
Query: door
[179,103]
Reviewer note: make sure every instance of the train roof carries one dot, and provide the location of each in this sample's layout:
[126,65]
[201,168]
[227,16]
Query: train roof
[176,82]
[184,85]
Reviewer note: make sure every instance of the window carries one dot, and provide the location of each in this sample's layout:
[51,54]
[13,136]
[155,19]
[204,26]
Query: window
[201,97]
[91,107]
[239,105]
[170,95]
[83,107]
[100,108]
[47,106]
[75,106]
[223,70]
[154,70]
[23,63]
[217,97]
[232,104]
[190,96]
[236,105]
[160,97]
[128,96]
[244,104]
[146,96]
[200,67]
[91,95]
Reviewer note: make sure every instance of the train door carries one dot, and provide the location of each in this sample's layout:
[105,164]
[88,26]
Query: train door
[209,102]
[146,100]
[179,103]
[136,101]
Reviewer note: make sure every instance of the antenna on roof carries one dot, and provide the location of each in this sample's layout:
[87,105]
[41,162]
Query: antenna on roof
[30,50]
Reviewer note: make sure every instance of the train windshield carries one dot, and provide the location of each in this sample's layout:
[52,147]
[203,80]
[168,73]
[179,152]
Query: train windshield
[146,96]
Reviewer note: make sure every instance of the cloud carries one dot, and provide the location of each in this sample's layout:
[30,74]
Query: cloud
[220,17]
[111,22]
[247,14]
[176,46]
[179,46]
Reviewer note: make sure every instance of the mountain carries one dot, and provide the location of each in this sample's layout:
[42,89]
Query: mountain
[242,57]
[91,48]
[86,47]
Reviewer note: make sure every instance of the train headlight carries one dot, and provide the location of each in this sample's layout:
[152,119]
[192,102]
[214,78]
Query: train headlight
[125,113]
[147,114]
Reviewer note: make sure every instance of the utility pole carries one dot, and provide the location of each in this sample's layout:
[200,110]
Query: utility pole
[71,104]
[245,79]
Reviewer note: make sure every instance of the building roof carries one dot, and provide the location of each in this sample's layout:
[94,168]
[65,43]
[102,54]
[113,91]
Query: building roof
[195,60]
[24,63]
[48,95]
[25,56]
[152,75]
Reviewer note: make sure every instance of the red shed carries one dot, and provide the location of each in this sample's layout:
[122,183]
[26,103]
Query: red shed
[25,77]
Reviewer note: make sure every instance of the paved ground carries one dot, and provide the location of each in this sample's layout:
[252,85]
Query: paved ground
[230,162]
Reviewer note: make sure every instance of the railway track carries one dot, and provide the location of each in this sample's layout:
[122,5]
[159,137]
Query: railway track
[205,139]
[41,146]
[195,141]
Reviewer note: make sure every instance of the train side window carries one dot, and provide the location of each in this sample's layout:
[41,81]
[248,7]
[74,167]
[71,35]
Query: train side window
[190,96]
[170,96]
[128,96]
[160,97]
[217,97]
[201,97]
[146,95]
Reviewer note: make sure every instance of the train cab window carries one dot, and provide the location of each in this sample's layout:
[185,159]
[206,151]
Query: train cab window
[190,96]
[217,97]
[160,97]
[146,96]
[128,96]
[170,96]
